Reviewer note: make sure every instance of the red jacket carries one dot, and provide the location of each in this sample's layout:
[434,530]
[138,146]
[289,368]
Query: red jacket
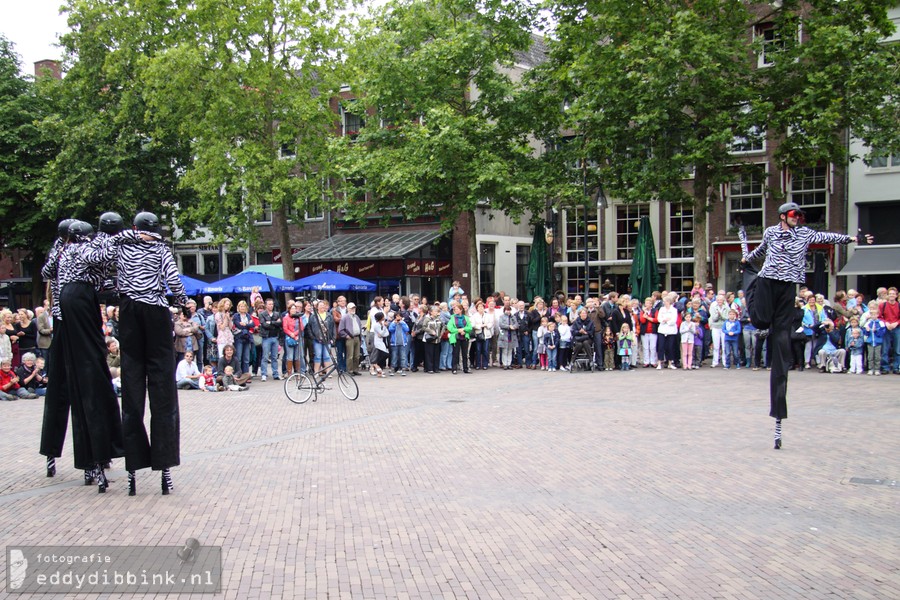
[6,378]
[287,324]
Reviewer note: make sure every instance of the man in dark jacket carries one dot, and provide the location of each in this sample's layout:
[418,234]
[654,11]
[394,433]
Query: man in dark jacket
[598,317]
[270,327]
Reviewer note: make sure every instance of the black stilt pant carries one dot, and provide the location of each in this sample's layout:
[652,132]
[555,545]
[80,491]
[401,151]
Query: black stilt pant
[56,401]
[772,307]
[96,421]
[148,365]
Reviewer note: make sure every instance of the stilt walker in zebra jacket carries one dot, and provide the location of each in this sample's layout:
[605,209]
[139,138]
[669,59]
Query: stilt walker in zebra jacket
[145,267]
[56,401]
[770,301]
[96,421]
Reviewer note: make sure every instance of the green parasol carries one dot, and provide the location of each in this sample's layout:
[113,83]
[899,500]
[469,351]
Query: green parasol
[644,277]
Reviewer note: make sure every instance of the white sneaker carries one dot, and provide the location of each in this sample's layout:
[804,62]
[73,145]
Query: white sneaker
[659,367]
[263,378]
[671,366]
[871,372]
[402,373]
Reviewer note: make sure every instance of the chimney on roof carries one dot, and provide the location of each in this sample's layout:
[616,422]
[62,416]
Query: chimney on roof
[48,68]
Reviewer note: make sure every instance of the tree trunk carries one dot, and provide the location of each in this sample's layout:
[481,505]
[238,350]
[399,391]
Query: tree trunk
[39,290]
[474,264]
[701,240]
[280,222]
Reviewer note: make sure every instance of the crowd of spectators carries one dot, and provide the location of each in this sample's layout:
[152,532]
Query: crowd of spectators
[223,347]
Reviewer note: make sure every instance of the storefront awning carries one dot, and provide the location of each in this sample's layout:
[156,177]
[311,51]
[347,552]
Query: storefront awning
[873,260]
[360,246]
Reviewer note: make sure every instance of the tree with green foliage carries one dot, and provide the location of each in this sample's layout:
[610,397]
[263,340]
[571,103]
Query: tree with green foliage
[24,154]
[112,155]
[657,90]
[249,84]
[444,131]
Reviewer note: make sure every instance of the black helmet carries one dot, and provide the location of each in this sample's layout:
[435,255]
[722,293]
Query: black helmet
[111,223]
[80,229]
[789,206]
[63,228]
[147,221]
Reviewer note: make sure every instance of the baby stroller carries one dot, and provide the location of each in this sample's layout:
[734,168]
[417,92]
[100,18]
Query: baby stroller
[582,358]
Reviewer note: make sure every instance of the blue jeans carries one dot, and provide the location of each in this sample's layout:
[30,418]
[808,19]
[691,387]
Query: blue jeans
[398,357]
[269,356]
[321,354]
[551,358]
[732,353]
[891,342]
[295,353]
[242,353]
[534,347]
[482,356]
[340,347]
[525,347]
[446,362]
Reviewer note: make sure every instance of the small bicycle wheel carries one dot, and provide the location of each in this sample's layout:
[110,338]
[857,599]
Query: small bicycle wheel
[299,388]
[348,386]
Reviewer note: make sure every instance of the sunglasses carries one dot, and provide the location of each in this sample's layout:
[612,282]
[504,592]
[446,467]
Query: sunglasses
[793,214]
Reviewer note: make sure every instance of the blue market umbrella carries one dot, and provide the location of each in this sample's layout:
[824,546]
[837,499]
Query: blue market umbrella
[192,286]
[644,278]
[328,281]
[243,283]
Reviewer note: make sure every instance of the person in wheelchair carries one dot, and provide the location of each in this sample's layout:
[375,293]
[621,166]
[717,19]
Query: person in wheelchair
[582,336]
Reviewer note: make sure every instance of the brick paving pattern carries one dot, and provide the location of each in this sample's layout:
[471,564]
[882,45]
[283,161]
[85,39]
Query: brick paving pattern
[506,484]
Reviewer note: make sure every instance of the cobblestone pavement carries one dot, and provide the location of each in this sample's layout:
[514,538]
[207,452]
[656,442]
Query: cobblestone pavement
[506,484]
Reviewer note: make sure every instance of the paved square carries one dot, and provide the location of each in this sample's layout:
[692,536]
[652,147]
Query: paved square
[507,484]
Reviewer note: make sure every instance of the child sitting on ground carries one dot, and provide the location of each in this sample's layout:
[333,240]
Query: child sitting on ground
[228,381]
[208,380]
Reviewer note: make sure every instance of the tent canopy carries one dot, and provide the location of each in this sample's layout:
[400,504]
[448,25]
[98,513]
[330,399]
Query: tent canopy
[873,260]
[328,281]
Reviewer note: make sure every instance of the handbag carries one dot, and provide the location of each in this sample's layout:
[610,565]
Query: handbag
[479,336]
[290,342]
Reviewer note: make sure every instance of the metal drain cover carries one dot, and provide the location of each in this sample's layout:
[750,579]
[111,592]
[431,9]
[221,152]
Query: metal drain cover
[869,481]
[455,401]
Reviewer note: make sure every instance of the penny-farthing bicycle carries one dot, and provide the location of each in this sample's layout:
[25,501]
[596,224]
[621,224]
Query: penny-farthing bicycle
[300,387]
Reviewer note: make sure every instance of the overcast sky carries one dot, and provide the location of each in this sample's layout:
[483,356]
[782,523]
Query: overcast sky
[34,27]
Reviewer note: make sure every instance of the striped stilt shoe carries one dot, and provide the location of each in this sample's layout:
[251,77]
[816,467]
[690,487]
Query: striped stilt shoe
[167,482]
[132,484]
[89,475]
[51,466]
[102,481]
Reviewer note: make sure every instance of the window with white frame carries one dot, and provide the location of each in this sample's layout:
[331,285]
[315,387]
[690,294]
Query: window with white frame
[487,265]
[628,223]
[314,205]
[809,189]
[769,41]
[265,217]
[753,140]
[577,222]
[351,121]
[745,198]
[882,161]
[681,245]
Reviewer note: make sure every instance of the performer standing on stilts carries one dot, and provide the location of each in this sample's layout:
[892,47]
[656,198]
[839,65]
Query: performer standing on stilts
[145,266]
[770,300]
[56,401]
[96,421]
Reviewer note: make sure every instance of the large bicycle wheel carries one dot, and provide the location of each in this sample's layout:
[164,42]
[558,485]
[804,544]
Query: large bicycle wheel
[299,388]
[348,386]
